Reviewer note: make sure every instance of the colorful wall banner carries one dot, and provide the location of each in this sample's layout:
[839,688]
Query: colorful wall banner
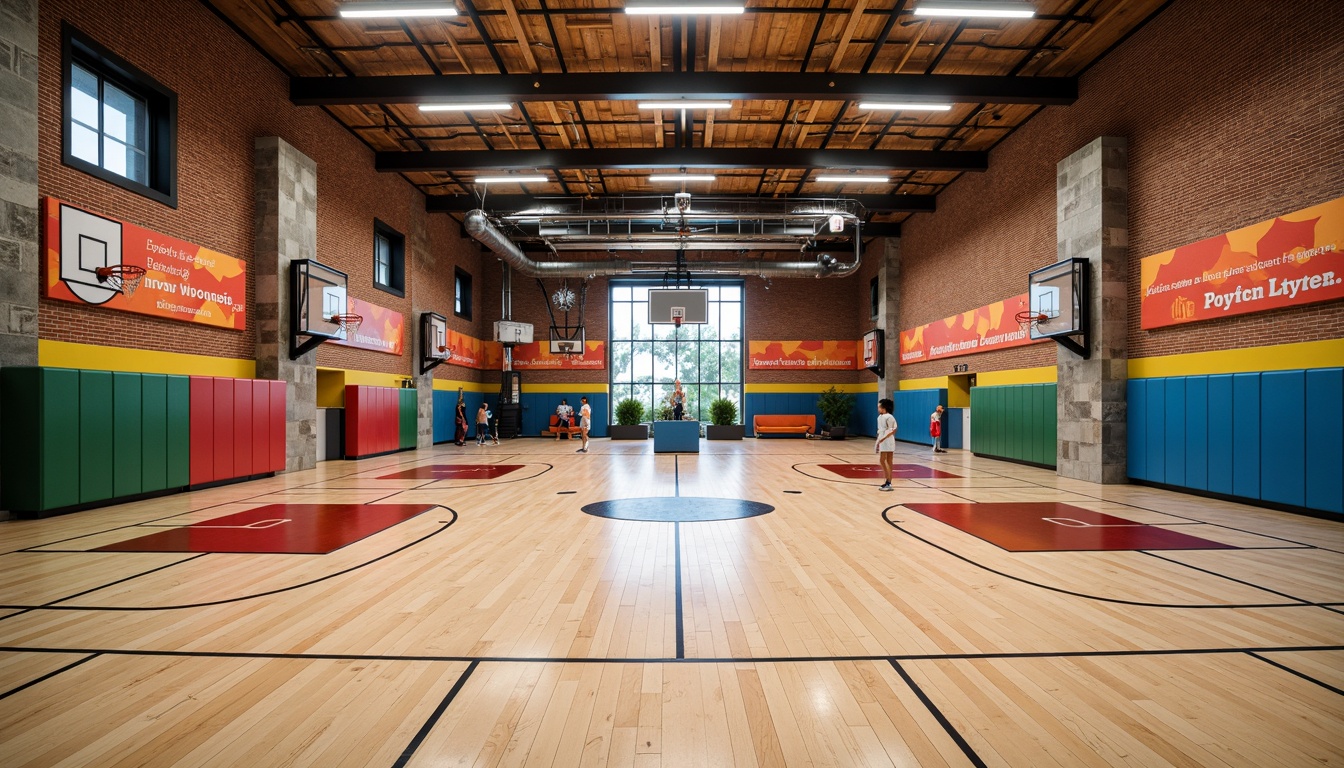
[803,355]
[471,352]
[537,357]
[1291,260]
[381,330]
[987,328]
[183,281]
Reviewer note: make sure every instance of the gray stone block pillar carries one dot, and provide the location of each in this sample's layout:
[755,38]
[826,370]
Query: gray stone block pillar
[18,183]
[422,260]
[286,227]
[1093,223]
[18,186]
[889,314]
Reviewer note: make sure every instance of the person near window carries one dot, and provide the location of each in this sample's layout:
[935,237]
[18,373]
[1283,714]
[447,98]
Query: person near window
[678,400]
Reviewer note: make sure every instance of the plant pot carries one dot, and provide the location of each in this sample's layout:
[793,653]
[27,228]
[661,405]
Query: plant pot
[836,433]
[631,432]
[725,432]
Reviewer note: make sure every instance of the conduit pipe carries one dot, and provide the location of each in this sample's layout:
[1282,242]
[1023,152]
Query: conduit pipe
[478,225]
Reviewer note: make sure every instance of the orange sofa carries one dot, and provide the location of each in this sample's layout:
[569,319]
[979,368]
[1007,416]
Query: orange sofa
[557,430]
[783,424]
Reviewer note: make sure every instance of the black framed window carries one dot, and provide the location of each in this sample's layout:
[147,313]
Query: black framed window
[873,296]
[646,359]
[120,124]
[389,259]
[461,293]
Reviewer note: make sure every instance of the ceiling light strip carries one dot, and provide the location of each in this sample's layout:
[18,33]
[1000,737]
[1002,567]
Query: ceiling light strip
[990,9]
[853,179]
[511,179]
[396,10]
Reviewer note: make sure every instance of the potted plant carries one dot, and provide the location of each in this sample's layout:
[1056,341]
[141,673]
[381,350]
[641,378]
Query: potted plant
[835,407]
[723,421]
[629,414]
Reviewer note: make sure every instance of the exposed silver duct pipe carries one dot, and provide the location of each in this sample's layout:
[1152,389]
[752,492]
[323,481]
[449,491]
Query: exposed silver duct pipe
[478,225]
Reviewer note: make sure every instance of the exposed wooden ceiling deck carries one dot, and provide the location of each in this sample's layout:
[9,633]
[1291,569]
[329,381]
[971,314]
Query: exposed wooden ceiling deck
[794,70]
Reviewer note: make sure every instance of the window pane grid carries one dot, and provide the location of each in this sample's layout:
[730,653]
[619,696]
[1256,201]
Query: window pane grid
[109,126]
[646,359]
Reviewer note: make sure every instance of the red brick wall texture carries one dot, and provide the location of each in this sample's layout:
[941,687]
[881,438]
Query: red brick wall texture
[1233,115]
[1231,109]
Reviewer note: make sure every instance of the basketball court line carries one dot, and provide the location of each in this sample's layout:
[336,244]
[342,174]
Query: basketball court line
[434,716]
[1291,671]
[942,720]
[1221,575]
[1300,604]
[445,525]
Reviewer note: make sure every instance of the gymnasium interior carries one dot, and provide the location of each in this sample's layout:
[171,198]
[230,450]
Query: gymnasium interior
[500,382]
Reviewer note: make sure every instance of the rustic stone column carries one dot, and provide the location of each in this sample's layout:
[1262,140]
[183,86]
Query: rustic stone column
[422,261]
[889,314]
[1092,215]
[286,227]
[18,186]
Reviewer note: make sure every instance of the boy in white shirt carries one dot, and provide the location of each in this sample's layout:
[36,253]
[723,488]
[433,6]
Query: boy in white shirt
[585,423]
[885,446]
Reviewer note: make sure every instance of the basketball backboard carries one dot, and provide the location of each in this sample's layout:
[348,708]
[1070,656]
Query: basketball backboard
[89,242]
[1059,303]
[693,302]
[433,341]
[873,351]
[317,295]
[566,341]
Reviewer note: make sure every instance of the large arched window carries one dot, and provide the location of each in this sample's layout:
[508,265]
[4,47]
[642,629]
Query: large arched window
[645,359]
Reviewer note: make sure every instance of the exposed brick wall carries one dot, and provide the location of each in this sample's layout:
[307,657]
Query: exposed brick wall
[808,308]
[434,289]
[228,95]
[1233,116]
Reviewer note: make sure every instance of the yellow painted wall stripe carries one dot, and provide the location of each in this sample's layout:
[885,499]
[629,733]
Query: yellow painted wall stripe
[451,385]
[577,389]
[932,382]
[1281,357]
[870,386]
[1046,374]
[64,354]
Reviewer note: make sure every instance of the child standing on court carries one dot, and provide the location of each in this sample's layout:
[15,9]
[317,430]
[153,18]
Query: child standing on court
[936,429]
[585,423]
[886,439]
[482,424]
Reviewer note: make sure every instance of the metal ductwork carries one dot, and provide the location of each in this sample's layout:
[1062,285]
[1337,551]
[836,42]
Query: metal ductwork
[479,226]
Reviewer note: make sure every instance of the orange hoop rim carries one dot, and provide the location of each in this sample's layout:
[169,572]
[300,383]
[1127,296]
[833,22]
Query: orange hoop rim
[348,323]
[121,277]
[1027,316]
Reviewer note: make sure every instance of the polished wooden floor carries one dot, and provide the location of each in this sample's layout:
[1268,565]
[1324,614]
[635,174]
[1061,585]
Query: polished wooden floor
[507,627]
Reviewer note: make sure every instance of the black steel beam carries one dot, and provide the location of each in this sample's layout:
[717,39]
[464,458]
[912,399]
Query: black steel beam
[683,157]
[606,86]
[511,203]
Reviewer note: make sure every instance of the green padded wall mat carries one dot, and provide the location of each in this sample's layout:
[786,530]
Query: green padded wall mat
[406,412]
[20,422]
[154,432]
[1016,422]
[95,436]
[127,434]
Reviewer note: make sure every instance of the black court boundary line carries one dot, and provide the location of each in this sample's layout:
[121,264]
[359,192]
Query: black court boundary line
[963,656]
[952,732]
[858,481]
[48,676]
[425,486]
[433,719]
[1071,593]
[128,578]
[240,598]
[1285,668]
[1225,576]
[681,627]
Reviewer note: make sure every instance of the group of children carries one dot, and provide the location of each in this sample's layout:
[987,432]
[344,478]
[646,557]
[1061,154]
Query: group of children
[885,446]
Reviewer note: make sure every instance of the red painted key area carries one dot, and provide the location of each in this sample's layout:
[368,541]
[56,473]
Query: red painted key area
[296,529]
[1054,527]
[454,472]
[870,471]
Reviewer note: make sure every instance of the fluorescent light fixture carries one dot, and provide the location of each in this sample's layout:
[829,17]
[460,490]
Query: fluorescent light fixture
[853,179]
[911,107]
[696,8]
[994,9]
[500,107]
[538,179]
[396,10]
[685,104]
[682,177]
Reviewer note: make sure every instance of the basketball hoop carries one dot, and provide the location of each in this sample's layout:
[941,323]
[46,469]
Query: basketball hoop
[1028,318]
[349,323]
[123,277]
[677,321]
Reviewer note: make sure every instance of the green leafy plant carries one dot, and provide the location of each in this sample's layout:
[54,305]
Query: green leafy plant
[722,412]
[665,412]
[835,406]
[629,412]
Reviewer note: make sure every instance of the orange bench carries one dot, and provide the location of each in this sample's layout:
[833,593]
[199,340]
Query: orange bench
[783,424]
[557,430]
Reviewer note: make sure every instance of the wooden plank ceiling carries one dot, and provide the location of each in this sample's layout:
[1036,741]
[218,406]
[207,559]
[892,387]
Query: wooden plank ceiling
[793,130]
